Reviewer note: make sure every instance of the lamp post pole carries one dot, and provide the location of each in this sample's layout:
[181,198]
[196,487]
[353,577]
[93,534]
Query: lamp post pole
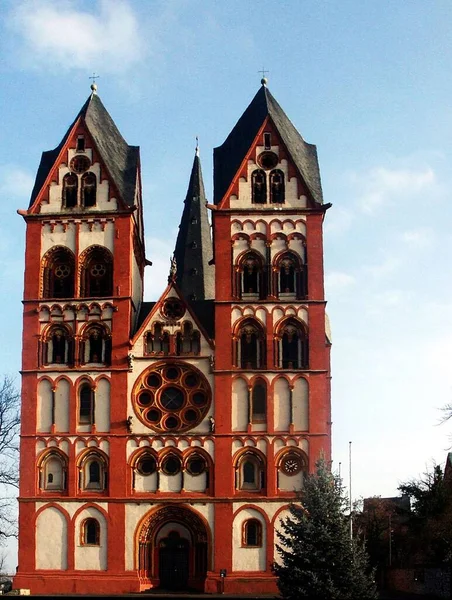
[350,487]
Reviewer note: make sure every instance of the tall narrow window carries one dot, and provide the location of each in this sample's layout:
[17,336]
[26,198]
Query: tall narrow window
[58,349]
[58,273]
[250,471]
[70,187]
[80,143]
[277,187]
[251,276]
[88,190]
[157,341]
[259,186]
[86,404]
[251,346]
[93,472]
[97,273]
[267,141]
[259,402]
[291,276]
[294,347]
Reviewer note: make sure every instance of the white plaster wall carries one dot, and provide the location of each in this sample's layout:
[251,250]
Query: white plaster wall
[195,483]
[62,393]
[290,483]
[96,233]
[57,235]
[300,400]
[44,406]
[277,525]
[248,559]
[91,557]
[145,483]
[239,405]
[102,406]
[51,540]
[281,404]
[170,483]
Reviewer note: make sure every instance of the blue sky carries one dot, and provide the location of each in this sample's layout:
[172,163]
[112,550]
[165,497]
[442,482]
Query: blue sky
[367,82]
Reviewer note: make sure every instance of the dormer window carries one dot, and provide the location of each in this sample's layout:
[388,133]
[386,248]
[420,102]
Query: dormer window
[267,141]
[80,144]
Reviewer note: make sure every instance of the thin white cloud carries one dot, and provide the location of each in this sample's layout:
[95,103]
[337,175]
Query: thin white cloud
[418,238]
[63,36]
[381,185]
[389,265]
[15,182]
[339,220]
[337,281]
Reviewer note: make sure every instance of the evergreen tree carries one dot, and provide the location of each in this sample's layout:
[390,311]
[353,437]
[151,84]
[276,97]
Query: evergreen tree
[318,559]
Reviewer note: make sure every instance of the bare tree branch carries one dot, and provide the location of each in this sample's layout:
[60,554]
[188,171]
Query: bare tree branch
[9,455]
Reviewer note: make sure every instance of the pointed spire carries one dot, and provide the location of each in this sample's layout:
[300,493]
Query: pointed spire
[195,276]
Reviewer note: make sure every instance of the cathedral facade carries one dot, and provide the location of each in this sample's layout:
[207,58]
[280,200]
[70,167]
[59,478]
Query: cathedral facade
[162,442]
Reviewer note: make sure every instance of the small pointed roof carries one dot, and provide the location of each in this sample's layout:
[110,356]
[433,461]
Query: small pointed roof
[120,159]
[229,156]
[195,276]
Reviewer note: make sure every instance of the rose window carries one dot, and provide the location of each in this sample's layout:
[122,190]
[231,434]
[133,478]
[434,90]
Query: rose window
[171,397]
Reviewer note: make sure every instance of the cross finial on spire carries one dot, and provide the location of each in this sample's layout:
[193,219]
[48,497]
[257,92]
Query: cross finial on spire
[264,80]
[197,147]
[94,85]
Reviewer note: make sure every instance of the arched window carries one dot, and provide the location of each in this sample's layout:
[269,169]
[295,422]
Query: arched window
[252,533]
[250,472]
[157,340]
[91,532]
[259,402]
[277,188]
[96,346]
[97,273]
[58,273]
[293,346]
[171,464]
[187,340]
[291,275]
[70,188]
[251,274]
[86,404]
[250,346]
[88,189]
[53,472]
[259,187]
[58,347]
[93,472]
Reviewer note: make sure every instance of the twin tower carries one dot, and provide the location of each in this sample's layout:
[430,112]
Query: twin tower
[162,442]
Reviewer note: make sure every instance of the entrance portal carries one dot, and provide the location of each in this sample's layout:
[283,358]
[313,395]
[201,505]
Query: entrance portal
[173,549]
[174,562]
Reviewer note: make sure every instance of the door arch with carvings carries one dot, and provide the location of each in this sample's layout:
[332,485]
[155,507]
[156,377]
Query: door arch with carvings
[173,549]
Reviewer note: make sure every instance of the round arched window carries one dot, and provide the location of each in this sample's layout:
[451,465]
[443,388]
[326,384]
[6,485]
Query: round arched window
[171,397]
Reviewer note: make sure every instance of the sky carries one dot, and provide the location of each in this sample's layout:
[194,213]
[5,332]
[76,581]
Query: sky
[367,82]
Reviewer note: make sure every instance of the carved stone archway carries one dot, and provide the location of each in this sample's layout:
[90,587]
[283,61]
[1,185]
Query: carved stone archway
[148,550]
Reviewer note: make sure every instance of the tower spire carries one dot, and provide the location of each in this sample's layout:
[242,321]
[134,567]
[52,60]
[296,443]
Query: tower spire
[195,276]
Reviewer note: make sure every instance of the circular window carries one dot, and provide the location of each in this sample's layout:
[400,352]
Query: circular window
[196,465]
[171,397]
[146,465]
[154,380]
[145,398]
[172,373]
[80,164]
[173,308]
[267,160]
[171,465]
[292,464]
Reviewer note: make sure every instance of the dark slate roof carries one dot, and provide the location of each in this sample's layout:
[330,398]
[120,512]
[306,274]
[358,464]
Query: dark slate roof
[205,312]
[228,157]
[195,277]
[145,309]
[120,159]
